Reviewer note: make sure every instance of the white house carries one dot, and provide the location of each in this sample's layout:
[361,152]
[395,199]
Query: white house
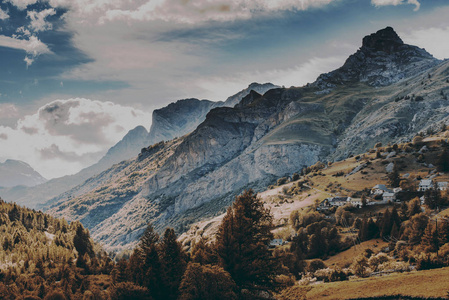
[356,202]
[276,242]
[424,185]
[333,201]
[387,196]
[442,186]
[379,189]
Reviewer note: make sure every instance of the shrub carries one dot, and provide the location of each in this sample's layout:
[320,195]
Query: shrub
[417,140]
[128,290]
[282,181]
[315,265]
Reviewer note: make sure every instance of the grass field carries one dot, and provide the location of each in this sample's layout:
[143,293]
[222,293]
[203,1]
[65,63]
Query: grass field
[428,283]
[345,258]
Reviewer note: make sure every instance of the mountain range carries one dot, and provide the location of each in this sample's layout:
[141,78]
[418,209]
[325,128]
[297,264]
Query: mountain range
[387,91]
[177,119]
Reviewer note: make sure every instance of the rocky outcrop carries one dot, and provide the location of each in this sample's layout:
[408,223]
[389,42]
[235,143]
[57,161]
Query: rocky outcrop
[382,60]
[183,116]
[179,118]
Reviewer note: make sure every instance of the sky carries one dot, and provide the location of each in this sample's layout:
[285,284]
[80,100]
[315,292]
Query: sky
[77,75]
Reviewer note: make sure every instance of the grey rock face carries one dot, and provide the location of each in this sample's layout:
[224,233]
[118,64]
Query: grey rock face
[183,116]
[382,60]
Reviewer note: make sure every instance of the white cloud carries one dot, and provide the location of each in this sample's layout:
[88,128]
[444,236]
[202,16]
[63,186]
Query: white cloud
[194,11]
[8,110]
[38,22]
[64,136]
[22,4]
[3,15]
[434,40]
[32,46]
[179,11]
[297,76]
[379,3]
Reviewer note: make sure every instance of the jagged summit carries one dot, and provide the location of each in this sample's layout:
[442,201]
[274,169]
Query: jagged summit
[386,40]
[382,60]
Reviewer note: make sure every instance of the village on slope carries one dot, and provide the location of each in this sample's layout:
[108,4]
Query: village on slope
[400,177]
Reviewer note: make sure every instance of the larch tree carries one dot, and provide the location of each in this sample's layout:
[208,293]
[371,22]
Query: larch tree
[242,244]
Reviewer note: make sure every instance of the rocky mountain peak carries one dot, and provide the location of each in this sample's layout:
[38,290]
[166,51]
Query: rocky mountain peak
[382,60]
[248,99]
[386,40]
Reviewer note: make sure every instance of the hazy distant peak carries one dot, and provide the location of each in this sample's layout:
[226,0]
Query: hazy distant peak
[16,172]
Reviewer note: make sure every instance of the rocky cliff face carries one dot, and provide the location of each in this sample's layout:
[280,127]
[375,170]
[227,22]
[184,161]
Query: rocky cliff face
[386,91]
[184,116]
[18,173]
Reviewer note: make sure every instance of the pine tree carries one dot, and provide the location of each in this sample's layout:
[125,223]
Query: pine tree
[433,197]
[207,282]
[81,241]
[394,178]
[414,207]
[443,232]
[363,231]
[173,260]
[150,267]
[443,160]
[404,211]
[386,225]
[364,200]
[430,238]
[203,254]
[242,243]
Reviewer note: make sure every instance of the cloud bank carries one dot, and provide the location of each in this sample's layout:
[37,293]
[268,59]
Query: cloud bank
[379,3]
[73,133]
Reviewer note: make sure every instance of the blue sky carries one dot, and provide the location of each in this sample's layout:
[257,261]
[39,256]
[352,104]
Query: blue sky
[94,58]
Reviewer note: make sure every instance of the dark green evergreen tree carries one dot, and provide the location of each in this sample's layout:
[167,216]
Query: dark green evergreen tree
[242,244]
[443,160]
[173,261]
[394,178]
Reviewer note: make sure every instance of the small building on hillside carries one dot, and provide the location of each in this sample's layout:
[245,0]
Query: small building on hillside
[333,202]
[424,185]
[276,242]
[379,189]
[387,196]
[442,186]
[355,202]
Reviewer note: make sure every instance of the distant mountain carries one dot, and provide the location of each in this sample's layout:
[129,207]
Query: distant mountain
[15,172]
[179,118]
[386,92]
[257,87]
[126,148]
[183,116]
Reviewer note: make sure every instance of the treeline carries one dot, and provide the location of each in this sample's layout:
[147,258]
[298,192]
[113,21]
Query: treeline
[47,258]
[43,257]
[237,265]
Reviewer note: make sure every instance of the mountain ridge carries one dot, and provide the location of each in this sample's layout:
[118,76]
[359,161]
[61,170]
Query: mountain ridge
[272,135]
